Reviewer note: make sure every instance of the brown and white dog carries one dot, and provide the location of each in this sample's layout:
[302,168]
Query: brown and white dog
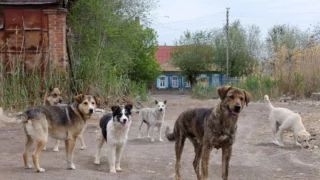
[209,128]
[52,98]
[61,122]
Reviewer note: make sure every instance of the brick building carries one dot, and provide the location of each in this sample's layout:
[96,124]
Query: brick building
[33,33]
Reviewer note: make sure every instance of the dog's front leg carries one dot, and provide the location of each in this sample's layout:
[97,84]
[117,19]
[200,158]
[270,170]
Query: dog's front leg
[226,156]
[281,131]
[152,134]
[111,157]
[296,141]
[160,133]
[206,150]
[100,143]
[83,145]
[56,146]
[69,152]
[118,157]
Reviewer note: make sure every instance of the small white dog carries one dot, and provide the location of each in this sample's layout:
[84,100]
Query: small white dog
[153,117]
[114,130]
[282,119]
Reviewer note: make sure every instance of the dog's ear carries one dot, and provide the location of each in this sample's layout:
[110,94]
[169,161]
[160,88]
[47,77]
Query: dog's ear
[165,101]
[222,91]
[129,108]
[156,101]
[78,98]
[97,100]
[50,88]
[115,108]
[247,97]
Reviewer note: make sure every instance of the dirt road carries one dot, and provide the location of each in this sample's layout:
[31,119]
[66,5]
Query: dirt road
[254,157]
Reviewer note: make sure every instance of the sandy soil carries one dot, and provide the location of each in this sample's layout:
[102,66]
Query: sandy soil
[254,157]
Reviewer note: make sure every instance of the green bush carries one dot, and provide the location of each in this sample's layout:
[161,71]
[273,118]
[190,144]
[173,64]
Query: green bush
[200,91]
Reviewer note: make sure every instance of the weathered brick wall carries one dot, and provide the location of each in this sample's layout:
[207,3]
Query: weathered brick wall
[57,37]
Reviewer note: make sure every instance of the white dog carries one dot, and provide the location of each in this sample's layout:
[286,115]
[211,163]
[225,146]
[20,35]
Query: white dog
[114,130]
[153,117]
[282,119]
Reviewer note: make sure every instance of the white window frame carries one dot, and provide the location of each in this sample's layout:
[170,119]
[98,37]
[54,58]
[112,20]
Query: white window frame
[187,84]
[163,83]
[176,82]
[215,80]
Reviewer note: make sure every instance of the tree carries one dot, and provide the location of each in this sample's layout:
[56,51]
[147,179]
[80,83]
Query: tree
[285,35]
[110,46]
[146,68]
[244,49]
[193,54]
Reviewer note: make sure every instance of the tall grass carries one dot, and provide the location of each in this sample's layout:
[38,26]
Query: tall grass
[294,72]
[21,87]
[200,91]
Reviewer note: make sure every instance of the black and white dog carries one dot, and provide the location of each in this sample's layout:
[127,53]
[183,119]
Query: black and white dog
[153,117]
[114,130]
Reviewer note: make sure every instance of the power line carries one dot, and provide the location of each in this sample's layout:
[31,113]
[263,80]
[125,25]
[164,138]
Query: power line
[186,20]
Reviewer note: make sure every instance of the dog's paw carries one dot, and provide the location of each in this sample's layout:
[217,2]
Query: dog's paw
[97,162]
[41,170]
[44,149]
[28,167]
[71,167]
[152,140]
[118,169]
[298,144]
[113,171]
[148,137]
[83,147]
[56,149]
[160,139]
[139,136]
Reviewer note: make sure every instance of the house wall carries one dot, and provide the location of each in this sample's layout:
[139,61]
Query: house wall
[57,36]
[33,36]
[208,78]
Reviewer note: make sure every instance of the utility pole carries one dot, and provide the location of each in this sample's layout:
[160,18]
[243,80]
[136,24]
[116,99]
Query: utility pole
[227,34]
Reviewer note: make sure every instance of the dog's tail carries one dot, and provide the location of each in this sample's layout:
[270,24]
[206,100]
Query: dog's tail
[12,120]
[266,99]
[170,136]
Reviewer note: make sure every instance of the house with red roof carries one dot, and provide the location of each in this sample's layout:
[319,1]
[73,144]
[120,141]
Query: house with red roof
[171,77]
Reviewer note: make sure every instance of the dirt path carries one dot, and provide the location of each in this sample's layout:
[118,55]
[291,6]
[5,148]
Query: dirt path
[254,157]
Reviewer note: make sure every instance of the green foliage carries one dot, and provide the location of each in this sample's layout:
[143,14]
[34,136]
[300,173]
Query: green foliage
[193,54]
[109,46]
[244,49]
[204,92]
[285,35]
[20,88]
[259,85]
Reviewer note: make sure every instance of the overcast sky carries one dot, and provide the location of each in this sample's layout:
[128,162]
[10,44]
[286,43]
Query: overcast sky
[173,17]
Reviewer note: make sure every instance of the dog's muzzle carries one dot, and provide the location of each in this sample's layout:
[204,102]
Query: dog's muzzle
[235,111]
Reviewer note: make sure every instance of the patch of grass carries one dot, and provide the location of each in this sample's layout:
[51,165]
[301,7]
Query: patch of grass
[200,91]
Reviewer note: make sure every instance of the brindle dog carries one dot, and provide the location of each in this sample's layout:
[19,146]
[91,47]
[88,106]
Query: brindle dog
[209,128]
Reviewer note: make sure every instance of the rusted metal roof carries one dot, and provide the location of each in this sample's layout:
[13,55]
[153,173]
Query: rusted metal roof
[163,53]
[29,2]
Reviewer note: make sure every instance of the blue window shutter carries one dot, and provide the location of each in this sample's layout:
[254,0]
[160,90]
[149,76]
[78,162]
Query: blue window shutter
[211,80]
[182,82]
[166,83]
[179,82]
[158,82]
[170,84]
